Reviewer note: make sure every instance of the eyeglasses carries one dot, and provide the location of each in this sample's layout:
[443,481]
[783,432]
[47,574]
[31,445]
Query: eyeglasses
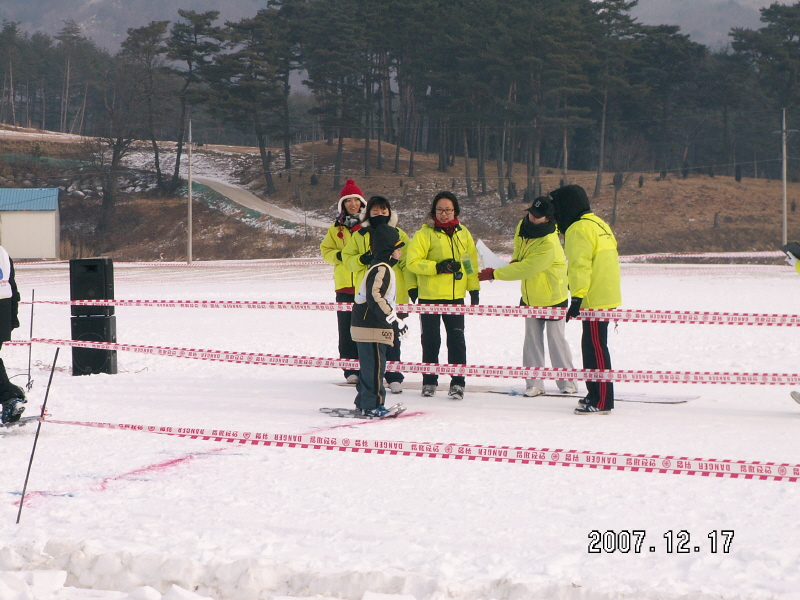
[445,211]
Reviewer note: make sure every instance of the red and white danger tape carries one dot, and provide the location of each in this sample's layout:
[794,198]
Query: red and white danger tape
[671,465]
[485,310]
[285,360]
[761,254]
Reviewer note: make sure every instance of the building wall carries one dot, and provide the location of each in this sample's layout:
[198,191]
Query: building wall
[30,234]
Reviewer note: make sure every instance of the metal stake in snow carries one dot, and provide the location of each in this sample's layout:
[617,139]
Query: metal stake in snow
[36,438]
[29,385]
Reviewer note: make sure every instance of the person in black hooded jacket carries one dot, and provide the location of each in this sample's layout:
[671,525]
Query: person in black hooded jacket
[374,321]
[12,397]
[594,283]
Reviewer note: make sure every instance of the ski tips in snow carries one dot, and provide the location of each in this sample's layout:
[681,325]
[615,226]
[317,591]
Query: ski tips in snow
[356,413]
[22,421]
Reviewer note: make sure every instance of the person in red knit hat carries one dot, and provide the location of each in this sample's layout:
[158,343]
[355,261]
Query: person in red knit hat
[351,202]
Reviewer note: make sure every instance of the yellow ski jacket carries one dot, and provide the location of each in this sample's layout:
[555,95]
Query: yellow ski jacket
[430,246]
[593,263]
[542,267]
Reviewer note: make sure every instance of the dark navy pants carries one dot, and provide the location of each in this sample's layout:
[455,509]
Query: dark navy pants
[370,390]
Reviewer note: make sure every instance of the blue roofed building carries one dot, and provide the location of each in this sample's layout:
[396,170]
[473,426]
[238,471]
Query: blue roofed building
[30,223]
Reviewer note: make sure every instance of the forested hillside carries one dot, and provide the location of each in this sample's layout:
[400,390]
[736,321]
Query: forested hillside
[518,87]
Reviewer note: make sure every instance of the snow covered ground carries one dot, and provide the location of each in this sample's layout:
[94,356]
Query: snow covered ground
[142,515]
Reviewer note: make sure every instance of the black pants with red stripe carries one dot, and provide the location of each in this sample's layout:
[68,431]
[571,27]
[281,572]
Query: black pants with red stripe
[594,346]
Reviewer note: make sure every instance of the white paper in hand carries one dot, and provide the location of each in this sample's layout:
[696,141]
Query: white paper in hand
[489,260]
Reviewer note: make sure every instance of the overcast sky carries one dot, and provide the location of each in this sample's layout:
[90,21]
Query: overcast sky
[706,21]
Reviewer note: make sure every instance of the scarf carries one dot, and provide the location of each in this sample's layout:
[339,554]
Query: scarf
[530,231]
[348,221]
[448,228]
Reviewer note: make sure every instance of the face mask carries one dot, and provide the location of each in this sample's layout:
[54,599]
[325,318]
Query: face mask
[379,220]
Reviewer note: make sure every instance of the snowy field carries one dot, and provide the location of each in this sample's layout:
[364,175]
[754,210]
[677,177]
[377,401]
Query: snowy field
[142,515]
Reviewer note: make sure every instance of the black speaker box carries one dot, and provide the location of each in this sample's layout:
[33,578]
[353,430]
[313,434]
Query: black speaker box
[91,279]
[88,361]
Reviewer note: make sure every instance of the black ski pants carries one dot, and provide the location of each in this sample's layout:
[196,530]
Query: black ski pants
[347,347]
[432,340]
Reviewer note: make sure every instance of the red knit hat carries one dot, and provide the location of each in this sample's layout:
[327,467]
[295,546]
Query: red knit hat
[351,190]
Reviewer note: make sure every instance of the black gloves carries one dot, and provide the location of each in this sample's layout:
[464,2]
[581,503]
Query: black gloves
[365,258]
[574,308]
[339,256]
[474,297]
[448,266]
[413,294]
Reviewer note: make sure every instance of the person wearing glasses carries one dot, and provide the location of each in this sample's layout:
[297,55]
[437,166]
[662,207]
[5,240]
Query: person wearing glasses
[444,257]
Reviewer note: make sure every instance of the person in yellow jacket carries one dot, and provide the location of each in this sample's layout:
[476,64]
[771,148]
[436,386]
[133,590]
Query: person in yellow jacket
[538,260]
[794,262]
[443,256]
[351,202]
[594,282]
[356,257]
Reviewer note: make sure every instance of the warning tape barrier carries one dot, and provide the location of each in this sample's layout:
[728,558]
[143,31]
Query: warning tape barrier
[287,360]
[487,310]
[760,254]
[611,461]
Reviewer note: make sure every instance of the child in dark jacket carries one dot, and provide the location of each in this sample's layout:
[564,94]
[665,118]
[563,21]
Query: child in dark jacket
[374,322]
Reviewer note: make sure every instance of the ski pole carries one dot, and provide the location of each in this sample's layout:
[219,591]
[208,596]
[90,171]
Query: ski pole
[36,438]
[30,346]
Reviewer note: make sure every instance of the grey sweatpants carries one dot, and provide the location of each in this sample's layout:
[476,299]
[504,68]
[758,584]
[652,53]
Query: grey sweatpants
[533,348]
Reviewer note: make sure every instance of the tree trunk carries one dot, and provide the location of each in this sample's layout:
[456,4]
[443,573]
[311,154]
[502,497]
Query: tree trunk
[62,126]
[12,93]
[337,169]
[266,159]
[484,145]
[175,182]
[601,157]
[287,145]
[565,151]
[414,126]
[442,146]
[529,163]
[366,145]
[110,185]
[470,193]
[380,153]
[499,147]
[44,107]
[537,157]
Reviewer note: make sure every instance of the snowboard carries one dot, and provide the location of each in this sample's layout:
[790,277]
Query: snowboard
[354,413]
[795,396]
[624,397]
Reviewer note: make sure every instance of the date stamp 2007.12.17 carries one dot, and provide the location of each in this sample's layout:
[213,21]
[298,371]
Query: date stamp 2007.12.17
[625,541]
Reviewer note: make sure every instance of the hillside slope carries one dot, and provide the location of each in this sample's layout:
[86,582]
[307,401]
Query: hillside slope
[700,213]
